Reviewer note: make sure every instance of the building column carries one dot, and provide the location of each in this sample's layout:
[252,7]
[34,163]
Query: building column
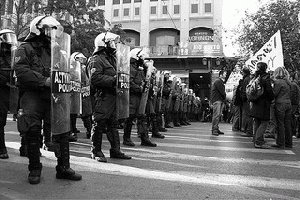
[145,17]
[184,21]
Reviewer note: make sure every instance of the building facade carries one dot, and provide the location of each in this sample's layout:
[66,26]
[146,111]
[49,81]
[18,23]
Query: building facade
[184,36]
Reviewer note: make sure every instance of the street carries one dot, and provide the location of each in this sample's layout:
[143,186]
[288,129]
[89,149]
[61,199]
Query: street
[189,163]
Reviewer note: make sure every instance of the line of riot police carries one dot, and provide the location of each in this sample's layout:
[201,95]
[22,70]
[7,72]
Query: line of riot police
[49,88]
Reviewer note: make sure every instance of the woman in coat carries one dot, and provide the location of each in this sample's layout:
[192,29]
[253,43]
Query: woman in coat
[283,108]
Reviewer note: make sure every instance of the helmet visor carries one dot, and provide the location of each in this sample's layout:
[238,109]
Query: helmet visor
[54,31]
[9,38]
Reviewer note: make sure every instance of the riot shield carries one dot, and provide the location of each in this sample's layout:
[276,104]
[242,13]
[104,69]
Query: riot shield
[123,76]
[75,88]
[60,83]
[160,90]
[86,91]
[168,101]
[144,98]
[14,90]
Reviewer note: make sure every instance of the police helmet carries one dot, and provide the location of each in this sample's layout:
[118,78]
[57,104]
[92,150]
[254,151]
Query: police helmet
[77,56]
[138,53]
[8,36]
[103,40]
[45,25]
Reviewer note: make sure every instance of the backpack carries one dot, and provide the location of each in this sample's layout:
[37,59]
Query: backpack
[254,89]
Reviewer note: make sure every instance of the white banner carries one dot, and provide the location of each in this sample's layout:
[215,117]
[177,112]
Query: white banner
[232,82]
[271,53]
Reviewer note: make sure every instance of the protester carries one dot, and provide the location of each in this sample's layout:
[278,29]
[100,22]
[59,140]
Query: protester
[260,108]
[237,102]
[283,108]
[218,97]
[247,121]
[32,66]
[104,80]
[8,40]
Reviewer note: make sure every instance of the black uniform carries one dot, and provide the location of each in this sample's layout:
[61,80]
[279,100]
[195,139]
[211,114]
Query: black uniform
[5,67]
[32,66]
[103,80]
[137,78]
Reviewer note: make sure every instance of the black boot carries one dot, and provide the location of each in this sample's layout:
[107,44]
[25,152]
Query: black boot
[63,170]
[127,132]
[88,125]
[97,154]
[35,167]
[114,140]
[155,129]
[143,130]
[3,150]
[23,148]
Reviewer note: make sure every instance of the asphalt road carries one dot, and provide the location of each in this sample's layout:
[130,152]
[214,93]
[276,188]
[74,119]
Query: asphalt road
[189,163]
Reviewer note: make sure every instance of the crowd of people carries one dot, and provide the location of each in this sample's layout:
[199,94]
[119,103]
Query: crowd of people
[274,114]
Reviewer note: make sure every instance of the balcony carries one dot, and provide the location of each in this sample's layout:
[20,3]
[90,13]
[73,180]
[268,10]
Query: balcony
[187,49]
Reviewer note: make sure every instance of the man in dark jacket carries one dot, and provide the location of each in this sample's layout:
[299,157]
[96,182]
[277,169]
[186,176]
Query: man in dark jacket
[247,121]
[137,80]
[7,41]
[104,80]
[218,97]
[32,66]
[260,108]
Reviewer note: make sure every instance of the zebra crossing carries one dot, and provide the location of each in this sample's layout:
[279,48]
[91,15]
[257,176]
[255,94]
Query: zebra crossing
[191,155]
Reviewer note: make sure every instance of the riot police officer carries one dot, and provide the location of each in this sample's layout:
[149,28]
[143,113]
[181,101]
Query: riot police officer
[7,40]
[32,66]
[103,80]
[137,81]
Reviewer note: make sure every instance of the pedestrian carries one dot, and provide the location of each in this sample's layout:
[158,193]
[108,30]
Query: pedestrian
[218,97]
[260,108]
[247,121]
[32,66]
[283,108]
[8,40]
[137,83]
[104,80]
[295,99]
[237,102]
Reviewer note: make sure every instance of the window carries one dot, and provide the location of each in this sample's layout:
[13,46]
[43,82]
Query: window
[101,2]
[176,9]
[126,1]
[207,7]
[194,8]
[137,11]
[153,10]
[126,12]
[116,12]
[165,9]
[116,1]
[135,1]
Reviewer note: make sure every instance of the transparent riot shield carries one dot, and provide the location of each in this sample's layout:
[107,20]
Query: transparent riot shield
[123,76]
[75,88]
[14,90]
[144,98]
[86,91]
[60,83]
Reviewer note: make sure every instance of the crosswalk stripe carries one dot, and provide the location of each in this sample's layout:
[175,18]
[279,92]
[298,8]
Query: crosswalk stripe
[87,164]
